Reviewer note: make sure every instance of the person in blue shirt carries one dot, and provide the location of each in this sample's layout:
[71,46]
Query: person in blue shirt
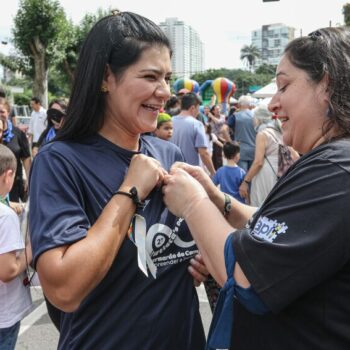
[108,253]
[230,176]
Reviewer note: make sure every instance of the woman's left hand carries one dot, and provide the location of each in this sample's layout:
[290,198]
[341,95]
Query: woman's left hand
[198,270]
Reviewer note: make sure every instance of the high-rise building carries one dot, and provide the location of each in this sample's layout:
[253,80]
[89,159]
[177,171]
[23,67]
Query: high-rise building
[271,40]
[188,49]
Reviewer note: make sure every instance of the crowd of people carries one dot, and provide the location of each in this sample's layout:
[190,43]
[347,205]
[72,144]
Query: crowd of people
[137,196]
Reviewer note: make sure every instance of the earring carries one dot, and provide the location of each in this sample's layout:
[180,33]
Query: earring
[104,88]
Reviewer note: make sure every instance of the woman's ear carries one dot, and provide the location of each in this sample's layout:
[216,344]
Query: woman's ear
[324,87]
[106,79]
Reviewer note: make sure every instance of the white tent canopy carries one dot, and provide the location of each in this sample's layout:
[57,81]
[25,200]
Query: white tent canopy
[267,91]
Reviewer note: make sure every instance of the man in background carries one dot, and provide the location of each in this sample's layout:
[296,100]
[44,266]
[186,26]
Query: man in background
[189,133]
[37,122]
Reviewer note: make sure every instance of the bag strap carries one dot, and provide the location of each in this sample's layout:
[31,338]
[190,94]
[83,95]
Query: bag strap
[271,166]
[273,135]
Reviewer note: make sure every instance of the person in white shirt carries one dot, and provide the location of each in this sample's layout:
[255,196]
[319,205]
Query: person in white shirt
[37,122]
[15,299]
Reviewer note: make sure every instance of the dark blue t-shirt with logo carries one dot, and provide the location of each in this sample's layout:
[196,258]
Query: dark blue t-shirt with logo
[70,184]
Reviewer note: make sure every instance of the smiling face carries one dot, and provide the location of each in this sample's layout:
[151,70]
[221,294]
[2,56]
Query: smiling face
[134,100]
[301,105]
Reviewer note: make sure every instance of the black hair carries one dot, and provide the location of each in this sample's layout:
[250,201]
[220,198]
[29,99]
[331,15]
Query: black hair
[231,149]
[2,93]
[36,99]
[7,159]
[116,41]
[171,102]
[327,52]
[188,100]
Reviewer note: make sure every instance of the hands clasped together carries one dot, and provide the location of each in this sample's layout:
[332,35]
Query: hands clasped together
[183,187]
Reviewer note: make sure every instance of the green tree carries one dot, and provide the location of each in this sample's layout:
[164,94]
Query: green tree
[41,34]
[346,13]
[75,39]
[250,53]
[266,69]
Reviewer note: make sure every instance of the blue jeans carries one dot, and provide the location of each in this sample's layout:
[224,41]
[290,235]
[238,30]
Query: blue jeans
[8,337]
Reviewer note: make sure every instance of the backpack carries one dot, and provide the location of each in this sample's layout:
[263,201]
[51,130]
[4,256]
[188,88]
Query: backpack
[285,159]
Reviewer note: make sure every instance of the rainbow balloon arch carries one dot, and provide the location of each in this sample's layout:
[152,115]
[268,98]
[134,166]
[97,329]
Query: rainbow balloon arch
[222,87]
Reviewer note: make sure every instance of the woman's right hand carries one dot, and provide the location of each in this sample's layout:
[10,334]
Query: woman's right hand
[200,175]
[144,173]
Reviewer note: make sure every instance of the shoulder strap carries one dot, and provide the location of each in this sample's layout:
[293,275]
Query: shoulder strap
[271,166]
[272,134]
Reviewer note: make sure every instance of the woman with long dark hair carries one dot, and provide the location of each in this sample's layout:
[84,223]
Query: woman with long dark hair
[119,286]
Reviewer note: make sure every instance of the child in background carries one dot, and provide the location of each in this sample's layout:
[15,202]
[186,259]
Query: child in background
[15,299]
[164,127]
[230,176]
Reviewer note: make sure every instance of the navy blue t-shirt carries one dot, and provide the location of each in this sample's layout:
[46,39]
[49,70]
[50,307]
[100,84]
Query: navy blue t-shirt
[70,185]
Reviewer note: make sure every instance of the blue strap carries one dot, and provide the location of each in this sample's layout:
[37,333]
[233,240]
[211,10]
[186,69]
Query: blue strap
[221,326]
[8,134]
[51,134]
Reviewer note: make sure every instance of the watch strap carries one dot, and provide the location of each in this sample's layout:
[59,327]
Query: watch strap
[227,204]
[133,194]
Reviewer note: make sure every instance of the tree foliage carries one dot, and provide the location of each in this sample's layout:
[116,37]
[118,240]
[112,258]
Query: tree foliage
[250,53]
[265,68]
[41,34]
[77,35]
[346,13]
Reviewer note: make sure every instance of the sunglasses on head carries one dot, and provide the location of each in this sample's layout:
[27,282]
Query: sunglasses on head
[55,115]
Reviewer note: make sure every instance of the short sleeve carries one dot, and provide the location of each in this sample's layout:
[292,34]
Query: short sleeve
[10,235]
[57,216]
[200,139]
[299,238]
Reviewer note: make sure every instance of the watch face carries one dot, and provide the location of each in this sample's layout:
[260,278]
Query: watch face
[228,206]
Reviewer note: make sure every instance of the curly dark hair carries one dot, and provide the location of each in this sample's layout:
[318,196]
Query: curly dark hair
[327,52]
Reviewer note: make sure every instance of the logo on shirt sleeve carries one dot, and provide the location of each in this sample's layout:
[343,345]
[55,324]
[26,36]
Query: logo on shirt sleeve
[268,229]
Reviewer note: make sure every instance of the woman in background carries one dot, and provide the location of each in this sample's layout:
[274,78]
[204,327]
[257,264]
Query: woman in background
[263,173]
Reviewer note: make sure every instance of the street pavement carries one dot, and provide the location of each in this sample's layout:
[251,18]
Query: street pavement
[38,333]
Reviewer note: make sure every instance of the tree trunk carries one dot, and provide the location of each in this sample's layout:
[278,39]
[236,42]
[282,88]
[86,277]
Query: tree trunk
[40,83]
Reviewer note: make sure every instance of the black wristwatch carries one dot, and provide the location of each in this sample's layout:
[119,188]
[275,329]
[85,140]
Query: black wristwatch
[227,204]
[134,196]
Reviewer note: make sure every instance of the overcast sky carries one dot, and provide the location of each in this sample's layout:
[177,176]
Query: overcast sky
[224,26]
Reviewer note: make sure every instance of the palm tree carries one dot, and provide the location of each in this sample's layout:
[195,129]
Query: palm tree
[250,53]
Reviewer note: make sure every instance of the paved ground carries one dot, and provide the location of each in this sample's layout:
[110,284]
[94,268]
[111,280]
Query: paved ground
[38,333]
